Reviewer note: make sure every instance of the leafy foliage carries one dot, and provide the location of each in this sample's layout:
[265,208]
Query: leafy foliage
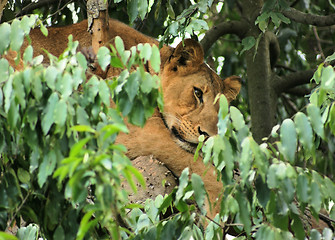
[61,171]
[57,142]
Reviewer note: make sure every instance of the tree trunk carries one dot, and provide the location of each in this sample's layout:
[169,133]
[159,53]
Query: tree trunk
[262,96]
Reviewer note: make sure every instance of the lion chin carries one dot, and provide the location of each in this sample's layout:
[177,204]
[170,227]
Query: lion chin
[189,90]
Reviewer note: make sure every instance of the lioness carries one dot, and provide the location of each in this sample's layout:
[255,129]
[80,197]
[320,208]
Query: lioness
[189,89]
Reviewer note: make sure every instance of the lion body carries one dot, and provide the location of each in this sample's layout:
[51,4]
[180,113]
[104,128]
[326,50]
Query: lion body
[189,90]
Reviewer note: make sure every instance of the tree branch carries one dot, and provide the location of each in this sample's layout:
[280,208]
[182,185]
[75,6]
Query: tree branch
[2,6]
[238,28]
[274,47]
[292,80]
[32,6]
[309,19]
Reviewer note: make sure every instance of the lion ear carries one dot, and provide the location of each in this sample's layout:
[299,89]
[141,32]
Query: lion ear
[232,86]
[189,52]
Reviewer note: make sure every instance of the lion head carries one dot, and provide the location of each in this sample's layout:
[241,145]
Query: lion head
[190,87]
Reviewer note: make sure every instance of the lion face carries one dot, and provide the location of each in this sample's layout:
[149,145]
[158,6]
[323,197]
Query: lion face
[189,88]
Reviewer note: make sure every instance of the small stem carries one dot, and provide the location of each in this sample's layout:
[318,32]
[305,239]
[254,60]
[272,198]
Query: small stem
[318,41]
[17,210]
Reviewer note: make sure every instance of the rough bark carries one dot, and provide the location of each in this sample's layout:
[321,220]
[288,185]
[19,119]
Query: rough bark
[262,97]
[309,19]
[97,12]
[2,6]
[238,28]
[159,180]
[292,80]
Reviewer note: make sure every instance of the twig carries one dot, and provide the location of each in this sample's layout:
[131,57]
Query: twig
[18,209]
[318,43]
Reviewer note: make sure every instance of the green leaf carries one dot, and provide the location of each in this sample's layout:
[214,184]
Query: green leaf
[7,91]
[78,146]
[59,234]
[288,137]
[13,115]
[143,8]
[104,57]
[244,211]
[146,52]
[37,88]
[132,85]
[268,5]
[315,235]
[331,119]
[297,227]
[50,76]
[302,188]
[237,118]
[148,83]
[7,236]
[82,116]
[27,22]
[304,130]
[247,43]
[83,128]
[4,37]
[48,113]
[327,78]
[264,233]
[132,10]
[23,175]
[60,112]
[275,18]
[283,18]
[104,93]
[119,45]
[263,192]
[86,224]
[93,88]
[223,107]
[186,234]
[183,182]
[330,186]
[19,90]
[328,59]
[315,196]
[64,85]
[16,35]
[170,10]
[155,59]
[34,160]
[272,180]
[44,30]
[28,54]
[4,69]
[199,190]
[314,116]
[47,167]
[143,222]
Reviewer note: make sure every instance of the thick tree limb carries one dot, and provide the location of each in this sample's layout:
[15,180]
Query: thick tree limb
[292,80]
[309,19]
[274,47]
[238,28]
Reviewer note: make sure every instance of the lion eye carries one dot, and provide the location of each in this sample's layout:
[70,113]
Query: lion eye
[198,93]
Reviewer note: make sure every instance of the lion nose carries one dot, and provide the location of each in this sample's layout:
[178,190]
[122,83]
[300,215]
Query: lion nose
[203,133]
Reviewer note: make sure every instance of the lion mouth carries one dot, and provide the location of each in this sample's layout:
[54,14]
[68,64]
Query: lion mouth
[188,146]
